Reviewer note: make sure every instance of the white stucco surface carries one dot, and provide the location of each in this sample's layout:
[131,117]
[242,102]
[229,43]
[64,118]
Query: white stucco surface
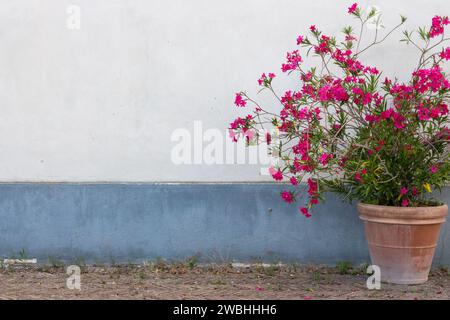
[101,103]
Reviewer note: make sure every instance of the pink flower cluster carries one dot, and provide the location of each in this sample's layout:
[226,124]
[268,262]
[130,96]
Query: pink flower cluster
[240,125]
[287,196]
[239,101]
[389,114]
[377,148]
[430,79]
[352,9]
[333,92]
[437,26]
[265,80]
[293,61]
[315,119]
[324,45]
[358,175]
[445,54]
[354,66]
[276,174]
[433,112]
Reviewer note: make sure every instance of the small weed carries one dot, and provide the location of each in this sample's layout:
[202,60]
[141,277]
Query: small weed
[271,271]
[191,262]
[445,270]
[218,282]
[112,261]
[159,265]
[142,274]
[317,276]
[363,267]
[23,255]
[267,270]
[79,261]
[344,267]
[55,262]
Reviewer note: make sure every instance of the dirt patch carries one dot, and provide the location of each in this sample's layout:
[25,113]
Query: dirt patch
[184,281]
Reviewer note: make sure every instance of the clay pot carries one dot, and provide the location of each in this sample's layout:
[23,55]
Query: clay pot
[402,240]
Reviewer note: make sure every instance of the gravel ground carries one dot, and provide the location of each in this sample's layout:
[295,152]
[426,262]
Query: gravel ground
[189,281]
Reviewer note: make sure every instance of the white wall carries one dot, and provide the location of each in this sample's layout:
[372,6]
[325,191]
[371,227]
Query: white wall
[101,103]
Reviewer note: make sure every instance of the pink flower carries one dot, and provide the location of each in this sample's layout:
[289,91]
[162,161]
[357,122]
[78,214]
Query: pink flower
[358,177]
[312,188]
[430,79]
[239,101]
[350,38]
[414,191]
[276,174]
[305,212]
[434,169]
[372,118]
[435,113]
[367,99]
[405,202]
[445,54]
[325,93]
[333,92]
[293,181]
[353,8]
[340,94]
[341,56]
[324,158]
[233,135]
[423,114]
[312,28]
[398,121]
[443,109]
[302,147]
[323,46]
[437,26]
[239,123]
[249,134]
[293,60]
[300,40]
[264,80]
[387,114]
[403,191]
[287,196]
[371,70]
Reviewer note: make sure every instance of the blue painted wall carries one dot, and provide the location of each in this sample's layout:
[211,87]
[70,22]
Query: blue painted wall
[219,222]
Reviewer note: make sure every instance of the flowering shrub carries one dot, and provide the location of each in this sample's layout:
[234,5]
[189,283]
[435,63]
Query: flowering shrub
[347,129]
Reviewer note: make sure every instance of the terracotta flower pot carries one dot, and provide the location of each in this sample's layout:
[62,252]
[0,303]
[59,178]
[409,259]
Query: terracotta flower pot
[402,240]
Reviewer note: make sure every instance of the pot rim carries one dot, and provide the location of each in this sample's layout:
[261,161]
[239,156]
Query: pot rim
[402,215]
[402,208]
